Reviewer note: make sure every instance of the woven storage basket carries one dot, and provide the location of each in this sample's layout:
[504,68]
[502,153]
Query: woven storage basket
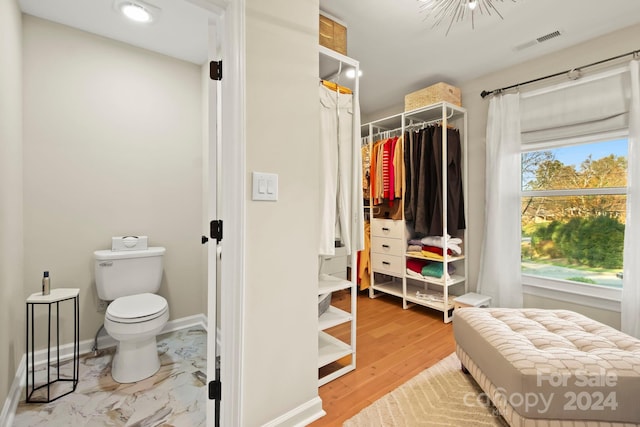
[333,35]
[430,95]
[324,301]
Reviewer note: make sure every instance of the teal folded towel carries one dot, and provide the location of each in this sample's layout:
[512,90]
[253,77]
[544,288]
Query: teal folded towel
[433,269]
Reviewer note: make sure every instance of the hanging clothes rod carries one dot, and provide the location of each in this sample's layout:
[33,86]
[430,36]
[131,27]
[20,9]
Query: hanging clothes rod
[411,125]
[386,133]
[570,73]
[336,87]
[428,122]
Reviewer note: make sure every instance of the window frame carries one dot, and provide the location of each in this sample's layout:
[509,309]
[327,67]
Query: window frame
[597,296]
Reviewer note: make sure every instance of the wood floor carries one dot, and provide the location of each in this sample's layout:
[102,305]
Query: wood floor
[392,346]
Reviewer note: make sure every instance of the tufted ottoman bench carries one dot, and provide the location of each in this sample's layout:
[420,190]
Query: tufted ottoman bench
[551,368]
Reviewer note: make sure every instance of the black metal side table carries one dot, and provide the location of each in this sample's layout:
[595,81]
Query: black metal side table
[56,296]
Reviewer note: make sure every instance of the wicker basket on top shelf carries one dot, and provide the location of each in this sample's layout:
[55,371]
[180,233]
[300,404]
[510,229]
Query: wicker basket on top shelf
[430,95]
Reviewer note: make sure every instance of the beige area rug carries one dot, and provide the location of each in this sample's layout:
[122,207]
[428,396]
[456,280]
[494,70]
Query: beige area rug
[439,396]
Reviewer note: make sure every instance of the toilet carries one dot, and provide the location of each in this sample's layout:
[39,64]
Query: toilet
[130,280]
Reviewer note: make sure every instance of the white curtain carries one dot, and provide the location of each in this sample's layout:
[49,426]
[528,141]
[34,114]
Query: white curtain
[500,276]
[630,305]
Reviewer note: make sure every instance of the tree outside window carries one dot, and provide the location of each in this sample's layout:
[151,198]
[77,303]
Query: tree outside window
[574,212]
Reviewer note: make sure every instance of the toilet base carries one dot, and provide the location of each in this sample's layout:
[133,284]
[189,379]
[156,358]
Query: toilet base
[135,360]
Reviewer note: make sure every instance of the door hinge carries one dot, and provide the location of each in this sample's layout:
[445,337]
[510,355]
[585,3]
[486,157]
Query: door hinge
[215,390]
[215,229]
[215,70]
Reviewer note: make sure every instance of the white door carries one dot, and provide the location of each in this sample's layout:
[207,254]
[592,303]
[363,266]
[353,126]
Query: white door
[214,230]
[224,200]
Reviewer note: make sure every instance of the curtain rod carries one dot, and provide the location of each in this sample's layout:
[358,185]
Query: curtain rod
[485,93]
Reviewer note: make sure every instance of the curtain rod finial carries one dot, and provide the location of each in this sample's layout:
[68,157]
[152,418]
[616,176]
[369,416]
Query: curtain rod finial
[484,94]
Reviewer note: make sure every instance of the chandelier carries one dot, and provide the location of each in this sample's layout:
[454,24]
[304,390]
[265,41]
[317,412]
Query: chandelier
[454,11]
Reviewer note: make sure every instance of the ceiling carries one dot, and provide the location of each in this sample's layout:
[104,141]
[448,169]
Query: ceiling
[181,30]
[398,50]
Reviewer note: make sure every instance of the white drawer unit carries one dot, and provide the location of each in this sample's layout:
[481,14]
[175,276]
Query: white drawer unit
[387,228]
[388,246]
[387,264]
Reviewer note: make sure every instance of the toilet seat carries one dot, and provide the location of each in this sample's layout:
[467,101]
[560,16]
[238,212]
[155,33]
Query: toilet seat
[136,308]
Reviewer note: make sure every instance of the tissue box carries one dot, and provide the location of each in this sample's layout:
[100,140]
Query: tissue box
[129,243]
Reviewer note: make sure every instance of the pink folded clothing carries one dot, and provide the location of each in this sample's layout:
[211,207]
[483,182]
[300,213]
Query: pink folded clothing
[416,264]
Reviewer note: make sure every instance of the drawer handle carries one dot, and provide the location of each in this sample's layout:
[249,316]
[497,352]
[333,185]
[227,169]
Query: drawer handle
[386,246]
[385,229]
[386,263]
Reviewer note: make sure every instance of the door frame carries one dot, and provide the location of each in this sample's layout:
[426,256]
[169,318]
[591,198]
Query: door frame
[228,19]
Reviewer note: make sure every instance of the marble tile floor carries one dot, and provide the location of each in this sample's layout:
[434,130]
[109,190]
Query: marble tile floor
[174,396]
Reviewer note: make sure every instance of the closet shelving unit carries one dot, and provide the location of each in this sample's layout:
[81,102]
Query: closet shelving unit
[330,348]
[389,238]
[337,355]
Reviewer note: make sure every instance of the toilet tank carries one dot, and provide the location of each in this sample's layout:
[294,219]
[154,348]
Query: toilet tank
[123,273]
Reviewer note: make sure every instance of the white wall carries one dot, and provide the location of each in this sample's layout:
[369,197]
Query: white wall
[11,254]
[610,45]
[112,146]
[280,337]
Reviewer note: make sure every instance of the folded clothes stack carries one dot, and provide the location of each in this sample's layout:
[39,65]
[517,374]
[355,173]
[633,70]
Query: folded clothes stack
[452,243]
[420,268]
[434,252]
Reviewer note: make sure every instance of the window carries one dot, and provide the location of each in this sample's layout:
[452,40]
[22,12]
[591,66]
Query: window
[574,212]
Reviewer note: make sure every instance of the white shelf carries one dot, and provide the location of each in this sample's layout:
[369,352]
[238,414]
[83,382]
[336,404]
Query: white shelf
[454,280]
[331,349]
[450,258]
[332,376]
[333,317]
[437,298]
[328,284]
[391,288]
[434,111]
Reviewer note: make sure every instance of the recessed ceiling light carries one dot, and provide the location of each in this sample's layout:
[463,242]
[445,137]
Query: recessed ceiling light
[138,11]
[135,12]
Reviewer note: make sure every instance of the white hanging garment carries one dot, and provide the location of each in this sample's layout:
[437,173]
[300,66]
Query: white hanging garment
[340,164]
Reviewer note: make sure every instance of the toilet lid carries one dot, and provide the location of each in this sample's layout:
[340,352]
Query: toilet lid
[137,306]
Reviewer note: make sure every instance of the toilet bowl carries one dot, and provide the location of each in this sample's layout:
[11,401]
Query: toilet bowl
[134,321]
[136,314]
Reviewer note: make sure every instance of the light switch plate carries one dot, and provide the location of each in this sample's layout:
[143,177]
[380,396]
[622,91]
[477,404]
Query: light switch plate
[265,186]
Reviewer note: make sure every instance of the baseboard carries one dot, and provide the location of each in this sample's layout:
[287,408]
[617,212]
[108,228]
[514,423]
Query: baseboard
[300,416]
[13,397]
[66,352]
